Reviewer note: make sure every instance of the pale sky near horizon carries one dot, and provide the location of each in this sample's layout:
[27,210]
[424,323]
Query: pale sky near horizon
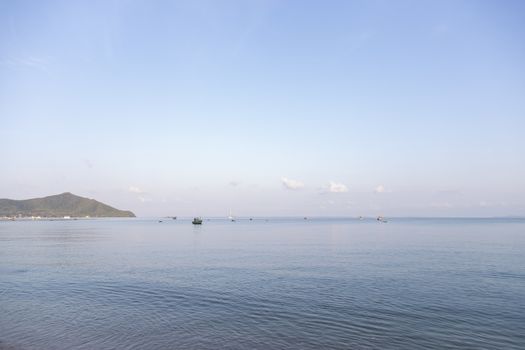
[326,108]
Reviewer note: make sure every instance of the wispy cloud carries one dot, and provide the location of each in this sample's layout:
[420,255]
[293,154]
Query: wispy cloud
[34,62]
[292,184]
[234,183]
[141,195]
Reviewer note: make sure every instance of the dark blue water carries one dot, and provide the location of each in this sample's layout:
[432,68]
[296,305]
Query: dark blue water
[277,284]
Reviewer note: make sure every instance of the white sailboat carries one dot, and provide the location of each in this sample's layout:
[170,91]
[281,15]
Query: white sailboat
[230,217]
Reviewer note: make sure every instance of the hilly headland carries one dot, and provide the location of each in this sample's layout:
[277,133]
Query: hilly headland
[59,206]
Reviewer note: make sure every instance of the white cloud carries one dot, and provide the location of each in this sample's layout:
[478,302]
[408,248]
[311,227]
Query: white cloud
[335,187]
[380,189]
[292,184]
[135,189]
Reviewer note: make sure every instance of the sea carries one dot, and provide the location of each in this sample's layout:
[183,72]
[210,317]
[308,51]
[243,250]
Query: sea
[266,283]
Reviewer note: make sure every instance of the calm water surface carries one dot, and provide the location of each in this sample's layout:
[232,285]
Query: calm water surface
[277,284]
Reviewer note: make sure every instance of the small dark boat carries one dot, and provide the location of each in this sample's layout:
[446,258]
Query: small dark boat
[197,221]
[381,219]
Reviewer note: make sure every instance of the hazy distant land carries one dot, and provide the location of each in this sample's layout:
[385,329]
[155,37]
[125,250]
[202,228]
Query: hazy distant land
[61,205]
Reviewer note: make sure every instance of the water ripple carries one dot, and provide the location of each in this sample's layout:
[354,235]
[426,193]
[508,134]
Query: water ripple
[258,293]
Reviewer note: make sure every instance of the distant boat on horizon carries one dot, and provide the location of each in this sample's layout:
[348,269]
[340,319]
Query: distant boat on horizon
[381,219]
[230,217]
[197,221]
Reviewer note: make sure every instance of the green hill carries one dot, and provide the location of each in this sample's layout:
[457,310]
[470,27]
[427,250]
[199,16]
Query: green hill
[65,204]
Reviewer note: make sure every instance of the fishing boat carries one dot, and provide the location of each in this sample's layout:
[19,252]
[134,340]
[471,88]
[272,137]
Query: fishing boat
[197,221]
[230,217]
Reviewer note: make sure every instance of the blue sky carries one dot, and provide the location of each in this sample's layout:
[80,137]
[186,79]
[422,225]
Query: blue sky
[266,107]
